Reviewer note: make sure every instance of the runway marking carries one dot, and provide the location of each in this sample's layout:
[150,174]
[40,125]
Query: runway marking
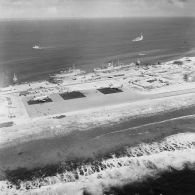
[145,125]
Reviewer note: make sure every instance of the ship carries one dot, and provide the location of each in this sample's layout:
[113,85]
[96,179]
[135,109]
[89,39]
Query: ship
[70,73]
[36,47]
[110,67]
[140,38]
[15,79]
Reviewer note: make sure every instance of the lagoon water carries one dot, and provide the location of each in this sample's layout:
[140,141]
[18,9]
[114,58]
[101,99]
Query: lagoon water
[88,43]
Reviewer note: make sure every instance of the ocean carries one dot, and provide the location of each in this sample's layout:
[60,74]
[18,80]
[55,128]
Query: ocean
[88,43]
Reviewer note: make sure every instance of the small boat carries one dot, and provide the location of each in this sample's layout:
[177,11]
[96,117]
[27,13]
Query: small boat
[140,38]
[36,47]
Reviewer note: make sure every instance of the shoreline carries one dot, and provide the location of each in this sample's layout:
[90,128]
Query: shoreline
[148,59]
[143,161]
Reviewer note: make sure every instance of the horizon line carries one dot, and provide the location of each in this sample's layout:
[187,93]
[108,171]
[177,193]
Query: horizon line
[76,18]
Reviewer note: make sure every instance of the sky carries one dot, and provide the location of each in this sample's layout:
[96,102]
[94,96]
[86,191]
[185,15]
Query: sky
[95,8]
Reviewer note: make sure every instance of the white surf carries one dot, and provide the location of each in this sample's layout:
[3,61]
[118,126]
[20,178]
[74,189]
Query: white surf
[137,163]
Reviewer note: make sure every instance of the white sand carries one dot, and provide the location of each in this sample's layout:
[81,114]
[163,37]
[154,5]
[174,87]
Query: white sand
[86,119]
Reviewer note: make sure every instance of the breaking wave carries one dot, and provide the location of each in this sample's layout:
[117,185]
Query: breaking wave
[130,165]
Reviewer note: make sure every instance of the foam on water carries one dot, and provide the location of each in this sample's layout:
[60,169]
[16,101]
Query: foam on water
[135,164]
